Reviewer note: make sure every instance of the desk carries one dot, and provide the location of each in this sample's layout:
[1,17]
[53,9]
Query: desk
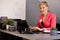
[32,36]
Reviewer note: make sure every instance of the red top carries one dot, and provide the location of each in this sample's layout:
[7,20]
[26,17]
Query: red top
[50,20]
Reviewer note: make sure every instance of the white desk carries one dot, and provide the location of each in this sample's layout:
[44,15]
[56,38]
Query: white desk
[32,36]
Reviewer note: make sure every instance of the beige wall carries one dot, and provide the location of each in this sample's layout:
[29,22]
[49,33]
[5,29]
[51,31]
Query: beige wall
[13,8]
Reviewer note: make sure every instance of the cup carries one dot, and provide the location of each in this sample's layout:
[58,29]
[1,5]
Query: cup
[54,32]
[7,27]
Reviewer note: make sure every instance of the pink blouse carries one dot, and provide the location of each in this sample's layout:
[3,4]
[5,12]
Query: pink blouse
[50,20]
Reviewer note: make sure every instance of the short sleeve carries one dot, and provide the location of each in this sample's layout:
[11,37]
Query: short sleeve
[53,20]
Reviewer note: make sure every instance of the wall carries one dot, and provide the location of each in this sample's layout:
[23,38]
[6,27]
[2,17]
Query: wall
[13,9]
[32,10]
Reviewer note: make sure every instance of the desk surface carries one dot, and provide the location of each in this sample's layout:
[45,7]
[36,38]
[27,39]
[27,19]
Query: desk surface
[32,36]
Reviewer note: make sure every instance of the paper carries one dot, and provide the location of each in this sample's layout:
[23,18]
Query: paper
[45,30]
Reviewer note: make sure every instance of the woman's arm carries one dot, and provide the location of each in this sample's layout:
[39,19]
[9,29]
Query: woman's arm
[40,29]
[36,28]
[53,21]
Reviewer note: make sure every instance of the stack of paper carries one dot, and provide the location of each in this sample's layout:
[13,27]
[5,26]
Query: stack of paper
[46,30]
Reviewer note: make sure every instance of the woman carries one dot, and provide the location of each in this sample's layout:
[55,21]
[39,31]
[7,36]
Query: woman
[47,19]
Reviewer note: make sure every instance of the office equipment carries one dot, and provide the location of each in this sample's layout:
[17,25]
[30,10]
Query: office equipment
[23,27]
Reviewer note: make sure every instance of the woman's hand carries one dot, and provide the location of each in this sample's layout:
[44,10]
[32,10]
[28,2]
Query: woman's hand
[33,28]
[36,28]
[30,27]
[40,29]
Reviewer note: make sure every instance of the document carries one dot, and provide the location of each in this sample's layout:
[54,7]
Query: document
[46,30]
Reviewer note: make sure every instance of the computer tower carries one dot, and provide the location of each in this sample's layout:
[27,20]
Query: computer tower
[22,26]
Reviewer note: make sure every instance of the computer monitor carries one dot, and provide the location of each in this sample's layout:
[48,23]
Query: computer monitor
[22,25]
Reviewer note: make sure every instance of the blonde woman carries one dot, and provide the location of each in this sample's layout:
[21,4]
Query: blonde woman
[47,19]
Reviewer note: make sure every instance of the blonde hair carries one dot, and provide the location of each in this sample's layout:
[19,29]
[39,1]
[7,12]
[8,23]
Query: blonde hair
[43,3]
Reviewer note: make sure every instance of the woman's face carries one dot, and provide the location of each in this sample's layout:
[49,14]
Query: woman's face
[43,9]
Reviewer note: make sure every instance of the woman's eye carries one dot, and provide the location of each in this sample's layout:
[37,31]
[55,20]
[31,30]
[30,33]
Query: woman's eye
[42,8]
